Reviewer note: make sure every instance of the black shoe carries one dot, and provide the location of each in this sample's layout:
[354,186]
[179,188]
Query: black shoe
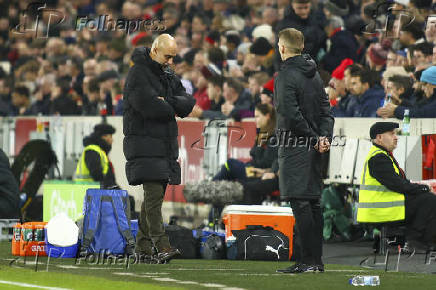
[290,269]
[301,268]
[167,255]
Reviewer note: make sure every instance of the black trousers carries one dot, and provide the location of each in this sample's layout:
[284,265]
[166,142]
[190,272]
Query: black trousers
[309,223]
[421,217]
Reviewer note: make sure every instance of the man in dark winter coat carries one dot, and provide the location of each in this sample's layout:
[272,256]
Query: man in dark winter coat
[94,164]
[9,192]
[304,124]
[153,96]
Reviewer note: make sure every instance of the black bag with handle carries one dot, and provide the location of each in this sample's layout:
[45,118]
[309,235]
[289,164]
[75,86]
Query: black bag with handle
[261,243]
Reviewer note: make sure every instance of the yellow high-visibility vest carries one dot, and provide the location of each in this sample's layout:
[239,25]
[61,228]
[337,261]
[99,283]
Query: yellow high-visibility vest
[378,204]
[82,171]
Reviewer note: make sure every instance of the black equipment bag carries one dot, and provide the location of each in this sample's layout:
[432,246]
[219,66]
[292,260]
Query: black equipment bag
[261,243]
[182,239]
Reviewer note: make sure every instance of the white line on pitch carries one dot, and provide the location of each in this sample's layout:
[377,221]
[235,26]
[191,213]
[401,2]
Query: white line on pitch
[30,285]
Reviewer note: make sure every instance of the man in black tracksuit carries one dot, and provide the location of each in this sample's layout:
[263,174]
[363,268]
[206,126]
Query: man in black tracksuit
[153,96]
[304,124]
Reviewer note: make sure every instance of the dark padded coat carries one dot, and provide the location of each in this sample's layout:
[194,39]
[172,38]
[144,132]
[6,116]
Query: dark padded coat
[149,123]
[9,191]
[303,115]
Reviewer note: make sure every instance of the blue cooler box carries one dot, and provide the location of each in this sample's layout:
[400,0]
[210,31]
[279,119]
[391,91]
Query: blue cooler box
[60,252]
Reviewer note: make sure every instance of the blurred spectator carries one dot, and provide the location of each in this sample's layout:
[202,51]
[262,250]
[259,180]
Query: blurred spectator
[214,91]
[301,16]
[425,108]
[368,98]
[267,94]
[62,99]
[411,33]
[264,54]
[341,44]
[430,29]
[400,90]
[378,55]
[91,101]
[232,42]
[20,104]
[338,95]
[255,86]
[237,102]
[200,96]
[423,54]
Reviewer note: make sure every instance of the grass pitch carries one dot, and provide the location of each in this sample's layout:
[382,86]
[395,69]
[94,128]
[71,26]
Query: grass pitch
[187,274]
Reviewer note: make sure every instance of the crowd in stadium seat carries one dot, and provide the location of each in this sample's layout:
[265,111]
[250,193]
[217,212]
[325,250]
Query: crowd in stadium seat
[377,58]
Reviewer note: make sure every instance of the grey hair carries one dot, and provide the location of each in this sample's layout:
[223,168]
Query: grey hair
[335,22]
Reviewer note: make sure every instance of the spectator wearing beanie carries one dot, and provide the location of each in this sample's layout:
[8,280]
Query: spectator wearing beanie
[267,94]
[378,54]
[264,53]
[338,96]
[341,44]
[212,39]
[425,108]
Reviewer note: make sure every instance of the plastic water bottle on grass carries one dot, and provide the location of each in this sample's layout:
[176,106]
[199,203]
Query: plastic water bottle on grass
[365,281]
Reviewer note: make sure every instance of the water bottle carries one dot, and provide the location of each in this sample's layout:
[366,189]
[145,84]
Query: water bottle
[387,100]
[365,281]
[405,130]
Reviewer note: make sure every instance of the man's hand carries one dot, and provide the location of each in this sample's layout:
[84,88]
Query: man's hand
[268,175]
[197,112]
[257,172]
[227,108]
[386,111]
[161,98]
[323,144]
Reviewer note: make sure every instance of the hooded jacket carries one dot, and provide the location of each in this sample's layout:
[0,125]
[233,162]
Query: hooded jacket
[301,102]
[303,115]
[149,123]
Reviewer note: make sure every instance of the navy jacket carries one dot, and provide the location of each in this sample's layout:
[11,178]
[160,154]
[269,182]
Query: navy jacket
[367,104]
